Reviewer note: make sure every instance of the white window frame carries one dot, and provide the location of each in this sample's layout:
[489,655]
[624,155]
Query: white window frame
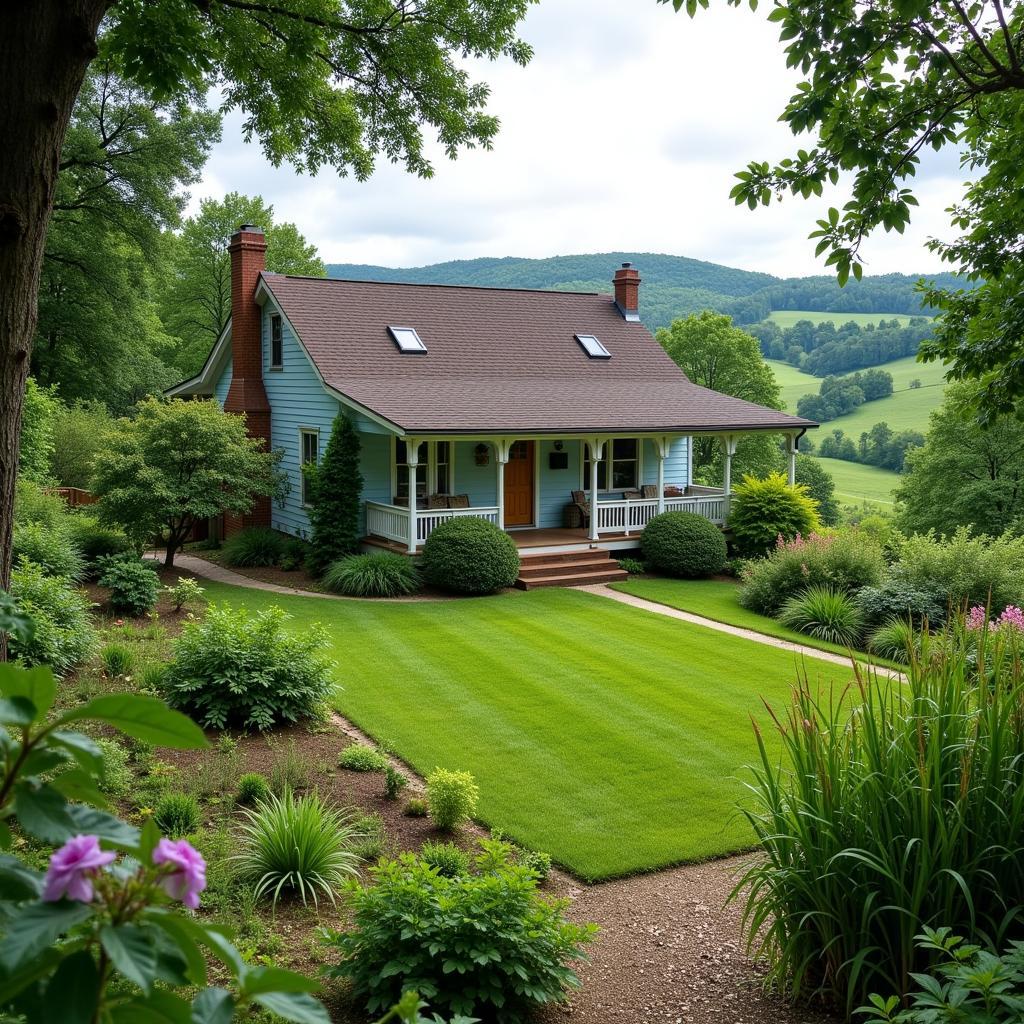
[607,460]
[305,432]
[280,325]
[431,463]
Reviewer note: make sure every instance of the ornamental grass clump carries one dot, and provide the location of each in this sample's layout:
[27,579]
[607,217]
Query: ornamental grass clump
[238,669]
[298,845]
[252,548]
[896,805]
[484,943]
[382,574]
[826,614]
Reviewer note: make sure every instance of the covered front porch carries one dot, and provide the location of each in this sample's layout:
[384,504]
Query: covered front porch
[548,494]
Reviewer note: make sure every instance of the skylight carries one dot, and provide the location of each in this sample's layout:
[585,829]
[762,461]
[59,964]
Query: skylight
[593,347]
[407,339]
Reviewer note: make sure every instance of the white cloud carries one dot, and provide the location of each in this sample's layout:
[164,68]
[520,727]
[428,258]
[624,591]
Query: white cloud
[623,134]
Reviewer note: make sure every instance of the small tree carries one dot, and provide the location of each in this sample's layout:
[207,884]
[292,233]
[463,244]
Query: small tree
[176,463]
[335,490]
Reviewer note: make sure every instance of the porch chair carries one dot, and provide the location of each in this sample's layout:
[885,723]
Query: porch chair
[458,501]
[631,495]
[649,490]
[437,501]
[579,507]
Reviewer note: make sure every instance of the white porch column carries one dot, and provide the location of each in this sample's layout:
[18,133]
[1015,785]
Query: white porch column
[661,446]
[729,445]
[792,443]
[501,450]
[412,458]
[596,454]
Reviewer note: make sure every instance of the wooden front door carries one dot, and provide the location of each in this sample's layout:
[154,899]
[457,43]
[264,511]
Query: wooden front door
[519,485]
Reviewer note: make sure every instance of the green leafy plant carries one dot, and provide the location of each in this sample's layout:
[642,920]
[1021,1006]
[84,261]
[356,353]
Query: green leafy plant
[253,788]
[416,807]
[970,984]
[335,489]
[134,584]
[294,553]
[894,597]
[470,556]
[97,935]
[485,945]
[185,592]
[258,546]
[761,511]
[394,782]
[895,639]
[632,565]
[177,814]
[683,544]
[62,635]
[233,668]
[297,845]
[445,858]
[96,541]
[116,777]
[382,574]
[50,547]
[118,660]
[896,805]
[452,797]
[358,757]
[825,613]
[847,561]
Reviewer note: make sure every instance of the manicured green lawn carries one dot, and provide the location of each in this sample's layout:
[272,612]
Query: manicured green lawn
[613,738]
[789,317]
[718,600]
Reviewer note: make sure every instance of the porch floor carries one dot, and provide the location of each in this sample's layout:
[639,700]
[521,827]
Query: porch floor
[528,538]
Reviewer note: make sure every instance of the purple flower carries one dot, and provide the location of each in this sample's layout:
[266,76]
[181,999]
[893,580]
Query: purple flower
[188,879]
[73,866]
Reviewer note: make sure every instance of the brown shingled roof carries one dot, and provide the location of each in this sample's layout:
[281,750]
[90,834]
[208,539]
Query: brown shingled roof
[500,359]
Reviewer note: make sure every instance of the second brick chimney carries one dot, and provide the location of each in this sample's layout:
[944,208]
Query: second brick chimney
[627,291]
[248,248]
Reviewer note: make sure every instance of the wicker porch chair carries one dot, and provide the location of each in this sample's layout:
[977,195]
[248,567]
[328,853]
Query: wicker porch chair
[579,501]
[458,501]
[649,490]
[437,501]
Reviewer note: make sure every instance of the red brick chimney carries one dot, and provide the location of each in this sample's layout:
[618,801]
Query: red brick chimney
[627,291]
[246,395]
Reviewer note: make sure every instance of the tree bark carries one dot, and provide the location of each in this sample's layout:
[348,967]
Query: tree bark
[45,48]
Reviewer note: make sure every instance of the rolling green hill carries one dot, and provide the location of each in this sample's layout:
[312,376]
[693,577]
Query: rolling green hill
[856,483]
[788,317]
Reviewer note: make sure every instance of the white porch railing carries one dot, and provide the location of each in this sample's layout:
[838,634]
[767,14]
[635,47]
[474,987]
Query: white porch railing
[630,515]
[392,521]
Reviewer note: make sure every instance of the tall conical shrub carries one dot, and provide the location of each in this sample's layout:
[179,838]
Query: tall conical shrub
[335,490]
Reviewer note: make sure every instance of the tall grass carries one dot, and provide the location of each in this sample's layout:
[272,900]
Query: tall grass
[896,805]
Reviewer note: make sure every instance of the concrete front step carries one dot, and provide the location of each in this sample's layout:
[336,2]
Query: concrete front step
[574,580]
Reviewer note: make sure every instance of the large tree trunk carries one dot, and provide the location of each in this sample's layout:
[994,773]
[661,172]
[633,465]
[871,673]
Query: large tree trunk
[45,48]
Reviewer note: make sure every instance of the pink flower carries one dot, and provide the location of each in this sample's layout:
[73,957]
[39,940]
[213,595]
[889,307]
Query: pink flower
[189,879]
[977,618]
[1013,617]
[73,866]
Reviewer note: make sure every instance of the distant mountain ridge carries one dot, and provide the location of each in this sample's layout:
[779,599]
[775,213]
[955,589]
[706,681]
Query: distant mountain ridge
[673,286]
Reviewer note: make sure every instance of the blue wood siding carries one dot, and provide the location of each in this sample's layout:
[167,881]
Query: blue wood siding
[676,465]
[556,485]
[221,390]
[479,482]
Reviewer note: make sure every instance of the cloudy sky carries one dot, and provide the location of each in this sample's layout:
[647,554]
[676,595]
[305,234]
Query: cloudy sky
[623,133]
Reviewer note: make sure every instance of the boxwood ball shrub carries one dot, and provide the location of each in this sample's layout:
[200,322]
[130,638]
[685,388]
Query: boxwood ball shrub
[63,636]
[884,808]
[470,556]
[134,584]
[452,797]
[683,544]
[381,574]
[484,944]
[238,669]
[761,511]
[257,546]
[825,613]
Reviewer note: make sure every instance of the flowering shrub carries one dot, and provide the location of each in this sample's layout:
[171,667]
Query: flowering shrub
[1012,618]
[91,938]
[845,561]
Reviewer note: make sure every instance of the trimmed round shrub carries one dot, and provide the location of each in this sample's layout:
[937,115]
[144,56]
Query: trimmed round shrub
[452,797]
[470,556]
[252,788]
[298,844]
[357,757]
[683,544]
[761,511]
[50,547]
[258,546]
[177,815]
[825,613]
[238,669]
[382,574]
[63,634]
[134,584]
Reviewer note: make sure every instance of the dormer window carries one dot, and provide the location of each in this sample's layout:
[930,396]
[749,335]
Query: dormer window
[593,347]
[407,339]
[276,342]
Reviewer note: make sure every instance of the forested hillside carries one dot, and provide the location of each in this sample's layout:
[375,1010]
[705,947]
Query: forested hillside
[673,285]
